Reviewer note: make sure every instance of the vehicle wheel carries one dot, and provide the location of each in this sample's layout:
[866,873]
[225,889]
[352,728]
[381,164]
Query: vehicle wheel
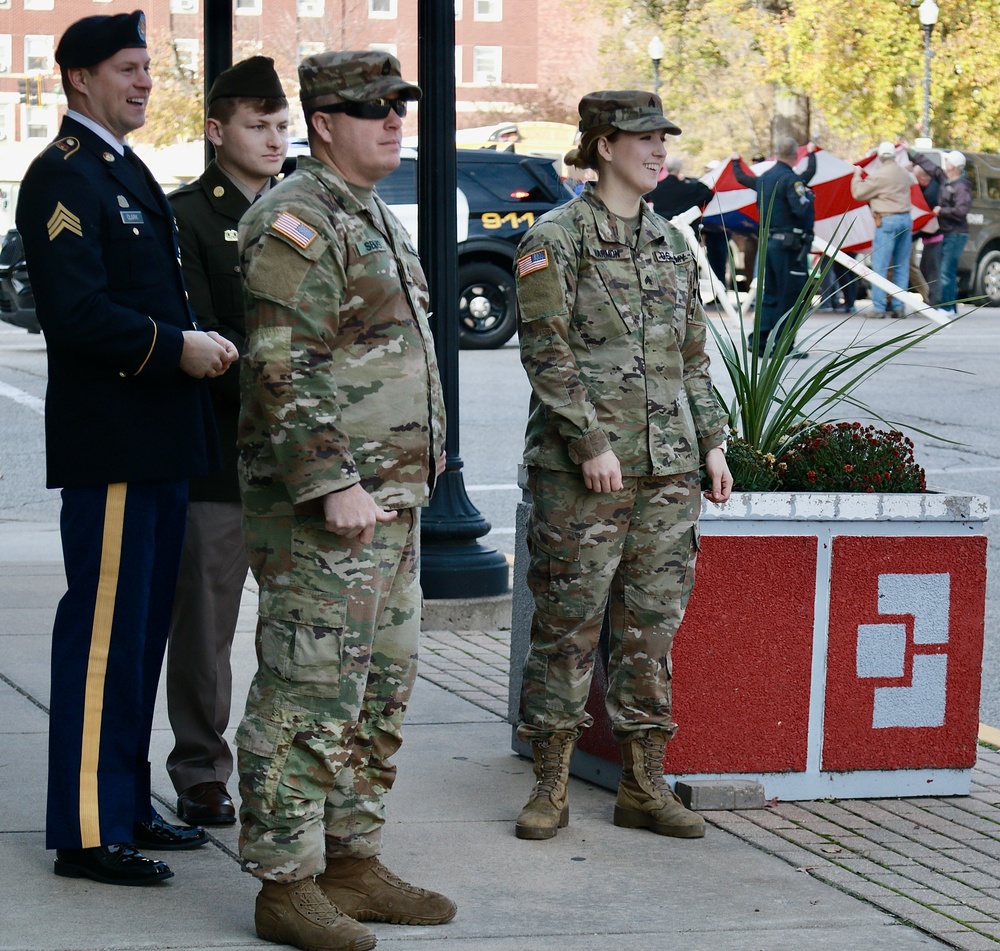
[988,278]
[487,305]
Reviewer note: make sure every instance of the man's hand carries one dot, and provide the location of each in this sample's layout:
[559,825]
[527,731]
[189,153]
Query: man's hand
[811,147]
[442,462]
[353,514]
[206,354]
[722,479]
[603,473]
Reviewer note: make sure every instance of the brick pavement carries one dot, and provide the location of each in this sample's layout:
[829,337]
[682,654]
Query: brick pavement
[932,862]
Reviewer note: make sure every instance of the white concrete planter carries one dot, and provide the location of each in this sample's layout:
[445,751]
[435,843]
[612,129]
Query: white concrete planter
[832,647]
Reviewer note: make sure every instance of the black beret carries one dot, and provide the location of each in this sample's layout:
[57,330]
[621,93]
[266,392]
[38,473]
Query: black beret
[94,39]
[254,78]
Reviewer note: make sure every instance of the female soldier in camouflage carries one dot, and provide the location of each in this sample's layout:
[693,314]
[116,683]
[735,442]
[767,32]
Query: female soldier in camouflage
[622,414]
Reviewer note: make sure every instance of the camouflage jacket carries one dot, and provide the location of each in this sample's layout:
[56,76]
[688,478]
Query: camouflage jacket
[340,383]
[613,342]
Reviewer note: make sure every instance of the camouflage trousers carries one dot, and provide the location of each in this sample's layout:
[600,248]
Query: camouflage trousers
[337,635]
[632,551]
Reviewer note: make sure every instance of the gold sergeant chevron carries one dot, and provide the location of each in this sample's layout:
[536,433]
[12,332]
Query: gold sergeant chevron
[63,220]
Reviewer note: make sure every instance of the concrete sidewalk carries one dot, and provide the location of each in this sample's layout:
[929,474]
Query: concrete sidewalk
[791,877]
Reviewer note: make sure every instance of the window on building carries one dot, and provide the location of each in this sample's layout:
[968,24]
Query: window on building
[39,4]
[389,48]
[6,47]
[183,6]
[247,8]
[39,122]
[5,4]
[38,53]
[186,51]
[6,123]
[458,9]
[458,65]
[310,8]
[488,10]
[381,9]
[486,63]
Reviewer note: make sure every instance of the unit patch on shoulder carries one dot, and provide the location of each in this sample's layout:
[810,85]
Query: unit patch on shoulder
[63,220]
[297,231]
[535,261]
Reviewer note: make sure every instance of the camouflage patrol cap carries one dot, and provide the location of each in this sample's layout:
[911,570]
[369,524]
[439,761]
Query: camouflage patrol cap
[92,40]
[351,76]
[254,78]
[630,110]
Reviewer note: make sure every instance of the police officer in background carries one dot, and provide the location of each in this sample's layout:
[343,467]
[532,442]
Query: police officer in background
[247,123]
[127,422]
[341,438]
[786,205]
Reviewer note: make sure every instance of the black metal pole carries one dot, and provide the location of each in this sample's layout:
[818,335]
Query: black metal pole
[218,23]
[453,564]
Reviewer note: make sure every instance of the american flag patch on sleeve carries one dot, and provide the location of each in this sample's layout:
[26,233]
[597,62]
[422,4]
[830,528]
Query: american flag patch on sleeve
[291,227]
[535,261]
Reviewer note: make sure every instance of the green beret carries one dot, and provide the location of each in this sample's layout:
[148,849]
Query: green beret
[630,110]
[351,76]
[254,78]
[92,40]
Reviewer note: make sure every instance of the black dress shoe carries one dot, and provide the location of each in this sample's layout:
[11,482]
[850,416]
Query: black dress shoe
[207,804]
[111,864]
[160,835]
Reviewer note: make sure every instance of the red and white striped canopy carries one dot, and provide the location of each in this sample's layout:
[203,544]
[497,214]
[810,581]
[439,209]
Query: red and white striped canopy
[839,217]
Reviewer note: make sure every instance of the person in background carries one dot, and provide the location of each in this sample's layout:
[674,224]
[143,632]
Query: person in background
[931,239]
[127,423]
[952,210]
[341,440]
[786,207]
[887,191]
[247,123]
[622,416]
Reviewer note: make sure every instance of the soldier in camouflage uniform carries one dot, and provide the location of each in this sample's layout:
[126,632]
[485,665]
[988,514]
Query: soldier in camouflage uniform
[622,414]
[341,437]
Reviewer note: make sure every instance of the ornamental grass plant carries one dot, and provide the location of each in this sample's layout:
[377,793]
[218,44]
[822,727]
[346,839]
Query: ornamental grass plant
[781,405]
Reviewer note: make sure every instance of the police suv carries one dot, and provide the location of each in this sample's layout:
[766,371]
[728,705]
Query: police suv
[500,196]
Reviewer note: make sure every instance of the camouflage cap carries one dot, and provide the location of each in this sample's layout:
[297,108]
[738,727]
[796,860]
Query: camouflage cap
[253,78]
[351,76]
[630,110]
[92,40]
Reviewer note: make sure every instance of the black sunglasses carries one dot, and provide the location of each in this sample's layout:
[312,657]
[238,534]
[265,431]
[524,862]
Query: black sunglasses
[372,109]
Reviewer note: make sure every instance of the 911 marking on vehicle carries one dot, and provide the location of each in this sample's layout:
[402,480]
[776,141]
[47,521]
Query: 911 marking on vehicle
[492,220]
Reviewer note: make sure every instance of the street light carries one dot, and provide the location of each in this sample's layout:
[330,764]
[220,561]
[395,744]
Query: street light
[655,50]
[928,14]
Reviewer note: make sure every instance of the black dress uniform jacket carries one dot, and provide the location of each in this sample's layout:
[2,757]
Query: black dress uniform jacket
[111,301]
[208,211]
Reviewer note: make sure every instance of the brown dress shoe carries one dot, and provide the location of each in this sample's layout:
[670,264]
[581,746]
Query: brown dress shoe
[207,804]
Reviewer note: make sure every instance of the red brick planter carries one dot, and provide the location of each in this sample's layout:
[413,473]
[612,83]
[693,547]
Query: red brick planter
[832,647]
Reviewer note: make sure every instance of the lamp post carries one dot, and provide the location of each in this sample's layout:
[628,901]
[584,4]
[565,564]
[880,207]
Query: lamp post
[928,14]
[655,50]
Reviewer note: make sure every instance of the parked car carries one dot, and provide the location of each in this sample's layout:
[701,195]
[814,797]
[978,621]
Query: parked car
[500,196]
[979,265]
[17,302]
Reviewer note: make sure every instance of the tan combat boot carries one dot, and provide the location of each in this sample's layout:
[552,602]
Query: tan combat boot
[300,914]
[367,891]
[645,801]
[547,809]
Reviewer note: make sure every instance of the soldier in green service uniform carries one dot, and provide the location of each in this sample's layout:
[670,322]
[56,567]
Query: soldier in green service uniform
[622,413]
[341,437]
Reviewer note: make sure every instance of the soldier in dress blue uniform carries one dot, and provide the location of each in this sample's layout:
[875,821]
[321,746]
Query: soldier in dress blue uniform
[247,122]
[127,422]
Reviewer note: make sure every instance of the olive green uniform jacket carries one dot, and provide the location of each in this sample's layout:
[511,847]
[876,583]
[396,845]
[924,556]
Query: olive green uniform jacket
[612,334]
